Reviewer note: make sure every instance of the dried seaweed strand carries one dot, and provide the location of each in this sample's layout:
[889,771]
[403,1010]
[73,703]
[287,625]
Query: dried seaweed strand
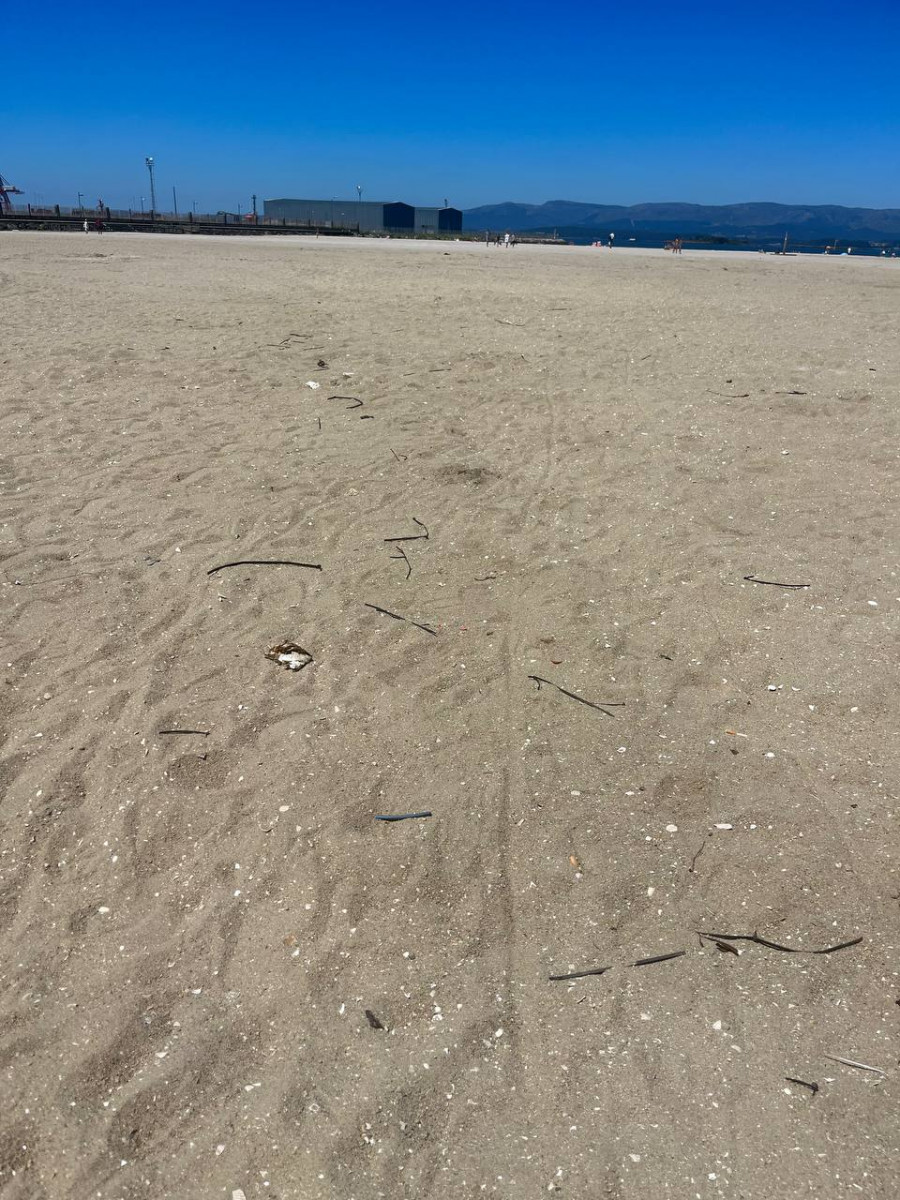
[851,1062]
[402,555]
[538,679]
[265,562]
[580,974]
[658,958]
[396,616]
[773,583]
[753,937]
[412,537]
[813,1087]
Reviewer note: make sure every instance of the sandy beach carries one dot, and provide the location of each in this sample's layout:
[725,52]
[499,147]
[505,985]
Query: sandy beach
[220,975]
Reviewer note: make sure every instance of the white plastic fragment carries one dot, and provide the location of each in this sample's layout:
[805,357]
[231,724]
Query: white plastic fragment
[724,825]
[313,385]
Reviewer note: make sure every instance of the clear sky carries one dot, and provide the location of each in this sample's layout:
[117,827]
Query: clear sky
[711,101]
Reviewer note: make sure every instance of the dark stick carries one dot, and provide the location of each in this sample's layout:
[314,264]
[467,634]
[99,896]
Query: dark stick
[373,1020]
[813,1087]
[402,555]
[265,562]
[753,937]
[319,419]
[199,732]
[403,816]
[696,856]
[387,612]
[412,537]
[357,403]
[369,418]
[726,947]
[538,679]
[580,974]
[772,583]
[401,458]
[657,958]
[791,394]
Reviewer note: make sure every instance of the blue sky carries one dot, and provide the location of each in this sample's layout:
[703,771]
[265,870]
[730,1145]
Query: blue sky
[712,102]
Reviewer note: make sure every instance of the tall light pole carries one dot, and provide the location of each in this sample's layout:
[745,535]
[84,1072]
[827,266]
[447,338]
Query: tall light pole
[81,201]
[149,162]
[359,208]
[174,200]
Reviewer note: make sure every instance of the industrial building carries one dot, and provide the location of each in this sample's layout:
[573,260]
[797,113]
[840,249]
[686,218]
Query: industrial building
[369,216]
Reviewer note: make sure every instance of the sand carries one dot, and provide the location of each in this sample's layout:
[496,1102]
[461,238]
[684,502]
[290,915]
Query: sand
[601,445]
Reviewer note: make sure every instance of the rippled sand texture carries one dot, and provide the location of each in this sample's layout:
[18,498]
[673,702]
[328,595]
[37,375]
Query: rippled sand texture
[601,445]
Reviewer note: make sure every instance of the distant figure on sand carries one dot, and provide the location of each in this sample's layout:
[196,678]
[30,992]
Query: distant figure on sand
[86,228]
[506,240]
[98,225]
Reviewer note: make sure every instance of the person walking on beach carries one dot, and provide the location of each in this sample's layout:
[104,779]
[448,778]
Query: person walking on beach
[506,240]
[86,227]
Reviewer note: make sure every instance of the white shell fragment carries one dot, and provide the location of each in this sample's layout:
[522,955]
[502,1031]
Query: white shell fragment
[313,385]
[291,656]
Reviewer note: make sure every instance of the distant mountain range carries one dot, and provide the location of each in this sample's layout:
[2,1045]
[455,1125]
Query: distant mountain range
[812,222]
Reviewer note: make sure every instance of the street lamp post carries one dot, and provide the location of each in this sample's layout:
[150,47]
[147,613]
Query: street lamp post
[149,162]
[359,208]
[81,202]
[174,200]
